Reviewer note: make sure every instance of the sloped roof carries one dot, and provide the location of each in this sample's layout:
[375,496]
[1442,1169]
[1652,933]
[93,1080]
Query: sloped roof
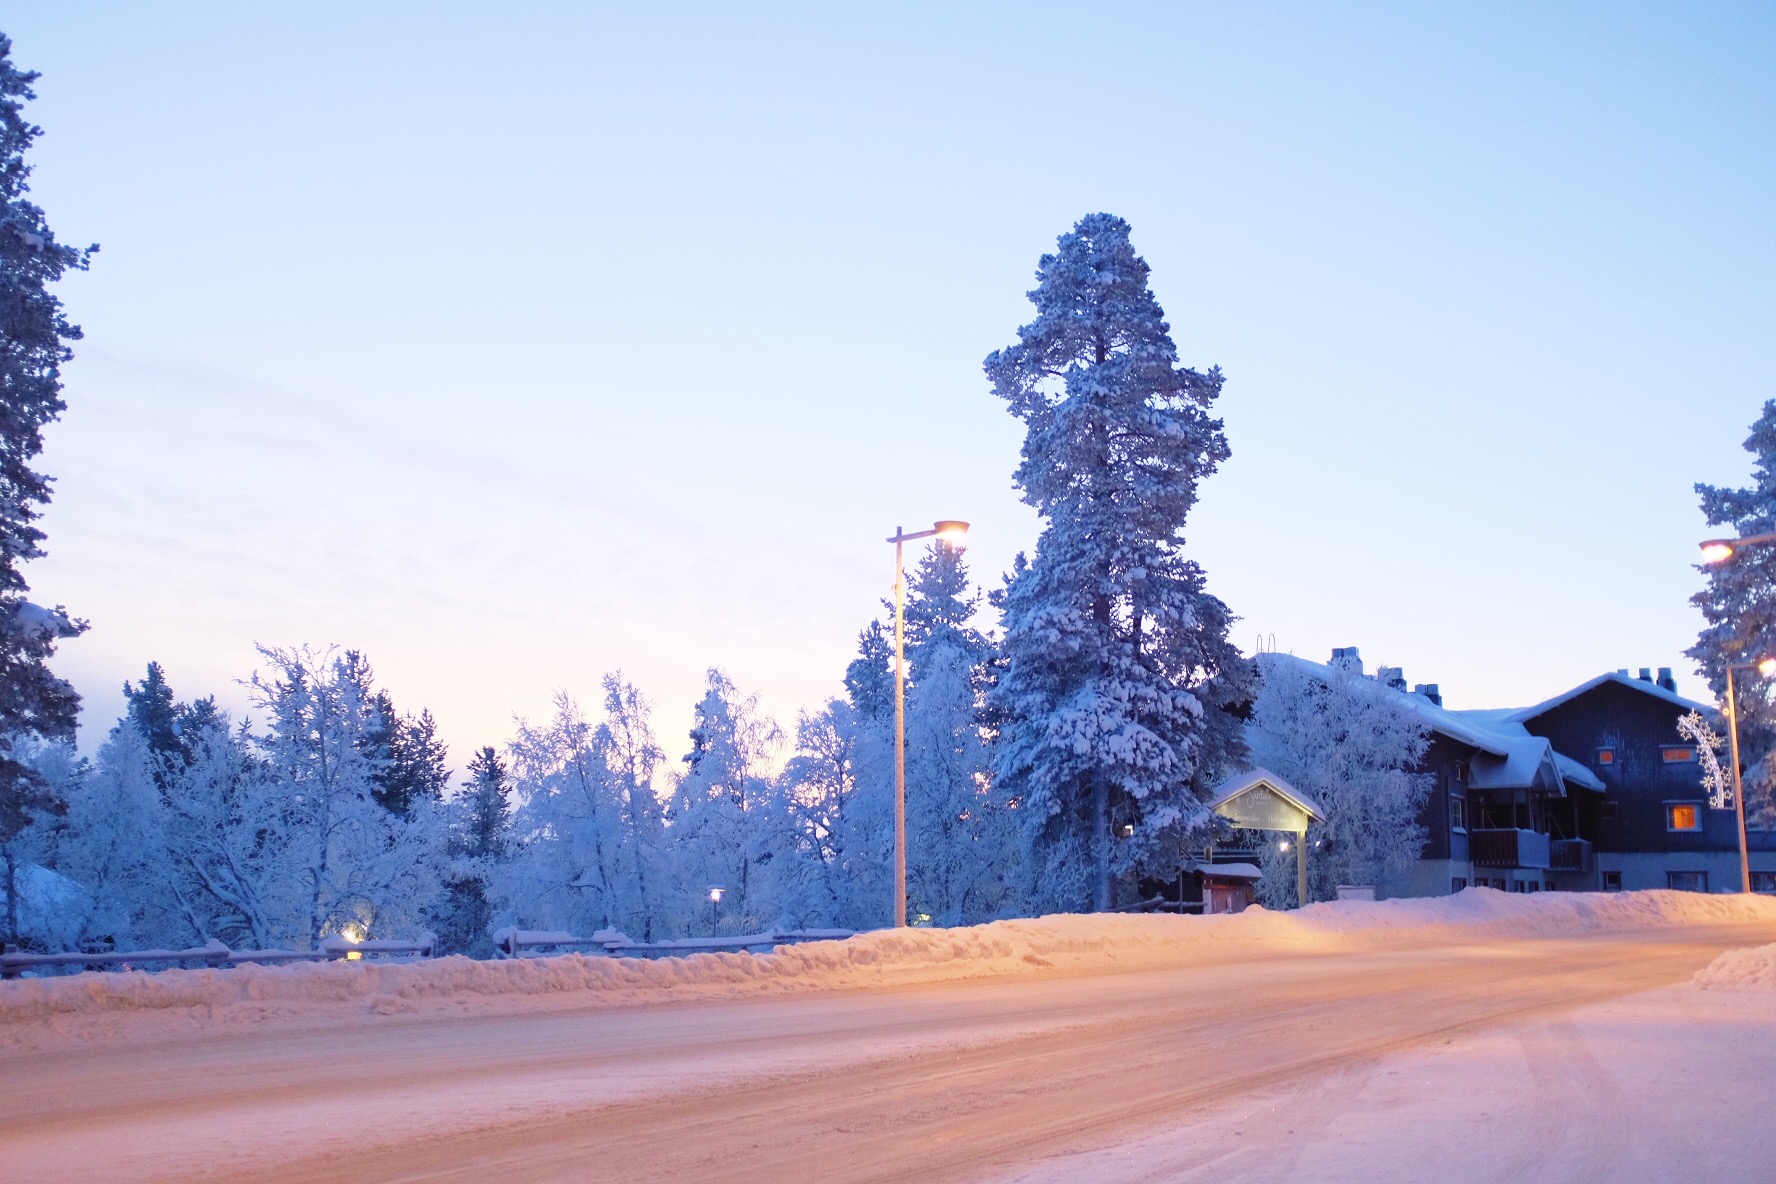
[1233,787]
[1510,757]
[1633,684]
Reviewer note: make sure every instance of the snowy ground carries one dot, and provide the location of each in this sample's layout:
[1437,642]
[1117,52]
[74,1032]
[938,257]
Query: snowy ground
[1486,1037]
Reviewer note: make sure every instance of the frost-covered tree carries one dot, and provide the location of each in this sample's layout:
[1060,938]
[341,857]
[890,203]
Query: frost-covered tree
[727,822]
[1353,746]
[588,820]
[1118,674]
[838,871]
[361,865]
[34,337]
[1738,605]
[960,837]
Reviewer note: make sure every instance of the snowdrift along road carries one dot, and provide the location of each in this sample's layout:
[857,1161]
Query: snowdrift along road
[38,1014]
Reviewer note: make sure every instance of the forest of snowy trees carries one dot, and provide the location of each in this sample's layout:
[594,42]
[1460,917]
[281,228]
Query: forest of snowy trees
[1063,732]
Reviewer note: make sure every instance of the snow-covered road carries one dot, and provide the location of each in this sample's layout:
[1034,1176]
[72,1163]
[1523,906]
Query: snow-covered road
[1482,1053]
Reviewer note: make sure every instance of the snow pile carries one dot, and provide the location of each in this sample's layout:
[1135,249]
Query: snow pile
[1755,967]
[249,995]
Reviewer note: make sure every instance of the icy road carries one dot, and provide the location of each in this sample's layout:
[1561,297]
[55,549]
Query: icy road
[1484,1056]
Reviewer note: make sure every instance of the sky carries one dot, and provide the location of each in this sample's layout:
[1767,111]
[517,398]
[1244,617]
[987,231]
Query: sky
[515,344]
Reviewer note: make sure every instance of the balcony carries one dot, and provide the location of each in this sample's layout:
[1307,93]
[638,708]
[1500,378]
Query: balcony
[1509,848]
[1571,855]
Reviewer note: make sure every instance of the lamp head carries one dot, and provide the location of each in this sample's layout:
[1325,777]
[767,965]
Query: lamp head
[951,531]
[715,893]
[1717,551]
[1767,667]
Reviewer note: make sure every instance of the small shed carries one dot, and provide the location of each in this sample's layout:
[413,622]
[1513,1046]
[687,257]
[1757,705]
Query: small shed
[1229,887]
[1261,800]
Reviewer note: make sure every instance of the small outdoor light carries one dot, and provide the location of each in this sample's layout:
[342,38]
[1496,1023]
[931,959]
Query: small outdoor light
[715,893]
[1283,846]
[950,531]
[1767,667]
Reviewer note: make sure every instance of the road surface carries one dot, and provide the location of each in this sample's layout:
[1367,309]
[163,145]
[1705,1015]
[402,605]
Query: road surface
[970,1081]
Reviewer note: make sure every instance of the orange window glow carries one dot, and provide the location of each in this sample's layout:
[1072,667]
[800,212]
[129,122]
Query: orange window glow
[1682,818]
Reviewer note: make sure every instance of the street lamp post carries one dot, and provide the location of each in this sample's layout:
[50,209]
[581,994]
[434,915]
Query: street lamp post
[1765,667]
[1716,551]
[952,532]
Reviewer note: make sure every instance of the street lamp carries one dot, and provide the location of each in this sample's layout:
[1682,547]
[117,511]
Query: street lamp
[951,531]
[1765,667]
[715,899]
[1720,550]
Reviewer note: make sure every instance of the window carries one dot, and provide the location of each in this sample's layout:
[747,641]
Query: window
[1683,816]
[1457,883]
[1687,881]
[1677,754]
[1612,881]
[1763,881]
[1606,756]
[1499,884]
[1458,813]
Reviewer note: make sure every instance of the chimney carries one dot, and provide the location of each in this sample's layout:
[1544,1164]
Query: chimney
[1666,682]
[1346,658]
[1623,672]
[1391,677]
[1429,690]
[1646,675]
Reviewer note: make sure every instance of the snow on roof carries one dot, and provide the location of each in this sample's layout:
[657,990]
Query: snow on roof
[1232,871]
[1645,688]
[1510,757]
[1243,782]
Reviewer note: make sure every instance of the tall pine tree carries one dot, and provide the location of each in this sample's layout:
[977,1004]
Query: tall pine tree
[33,346]
[1119,675]
[1739,606]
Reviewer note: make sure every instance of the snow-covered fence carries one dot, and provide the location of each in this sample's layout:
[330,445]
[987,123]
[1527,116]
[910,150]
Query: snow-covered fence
[512,943]
[214,953]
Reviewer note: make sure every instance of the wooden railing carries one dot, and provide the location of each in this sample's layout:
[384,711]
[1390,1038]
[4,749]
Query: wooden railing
[1508,847]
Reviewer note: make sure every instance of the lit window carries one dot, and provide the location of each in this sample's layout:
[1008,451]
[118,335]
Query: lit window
[1682,816]
[1606,756]
[1458,813]
[1687,881]
[1678,754]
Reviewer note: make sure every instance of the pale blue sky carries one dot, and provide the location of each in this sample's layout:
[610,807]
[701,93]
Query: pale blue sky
[514,343]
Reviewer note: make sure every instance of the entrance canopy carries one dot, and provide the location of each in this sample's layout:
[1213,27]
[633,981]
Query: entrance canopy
[1260,800]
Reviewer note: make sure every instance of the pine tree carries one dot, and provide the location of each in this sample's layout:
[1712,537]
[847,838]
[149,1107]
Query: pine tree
[1739,605]
[480,825]
[34,333]
[1119,678]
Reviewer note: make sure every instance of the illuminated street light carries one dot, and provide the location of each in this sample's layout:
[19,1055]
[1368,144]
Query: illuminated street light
[947,530]
[1721,550]
[716,891]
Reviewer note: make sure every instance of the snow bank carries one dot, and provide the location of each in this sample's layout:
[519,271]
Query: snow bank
[95,1004]
[1755,967]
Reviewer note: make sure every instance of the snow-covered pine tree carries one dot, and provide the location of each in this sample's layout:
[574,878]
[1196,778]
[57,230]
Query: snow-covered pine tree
[1353,746]
[1119,677]
[838,871]
[1738,605]
[34,333]
[480,826]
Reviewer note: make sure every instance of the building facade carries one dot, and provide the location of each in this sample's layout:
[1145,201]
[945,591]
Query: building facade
[1593,790]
